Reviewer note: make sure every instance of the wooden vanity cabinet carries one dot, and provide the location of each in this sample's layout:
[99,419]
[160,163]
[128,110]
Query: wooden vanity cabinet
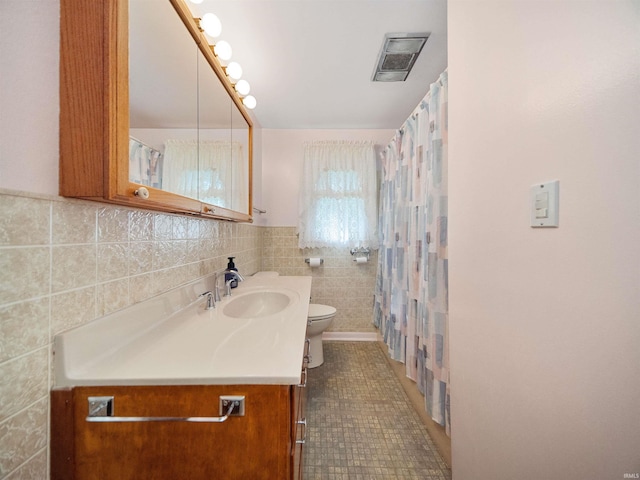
[266,443]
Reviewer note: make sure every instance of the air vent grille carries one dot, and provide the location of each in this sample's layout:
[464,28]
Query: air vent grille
[398,55]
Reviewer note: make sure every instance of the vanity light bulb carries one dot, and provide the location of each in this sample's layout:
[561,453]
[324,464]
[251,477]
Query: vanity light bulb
[223,50]
[249,102]
[242,87]
[234,70]
[211,25]
[196,1]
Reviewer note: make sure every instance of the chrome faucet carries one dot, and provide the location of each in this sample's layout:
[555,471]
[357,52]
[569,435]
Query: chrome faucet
[211,302]
[217,285]
[234,276]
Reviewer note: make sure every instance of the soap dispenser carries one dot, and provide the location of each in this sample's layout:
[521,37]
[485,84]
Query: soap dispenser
[231,266]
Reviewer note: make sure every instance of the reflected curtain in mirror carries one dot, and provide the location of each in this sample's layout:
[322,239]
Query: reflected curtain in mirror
[205,170]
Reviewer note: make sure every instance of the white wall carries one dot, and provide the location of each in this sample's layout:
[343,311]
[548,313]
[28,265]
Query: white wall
[29,61]
[545,323]
[282,154]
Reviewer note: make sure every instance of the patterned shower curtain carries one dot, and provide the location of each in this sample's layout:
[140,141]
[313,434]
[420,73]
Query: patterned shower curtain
[411,304]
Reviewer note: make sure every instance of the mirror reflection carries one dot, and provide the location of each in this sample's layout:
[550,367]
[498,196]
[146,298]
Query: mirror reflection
[187,136]
[240,159]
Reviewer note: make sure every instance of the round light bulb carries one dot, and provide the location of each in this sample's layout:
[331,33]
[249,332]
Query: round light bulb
[249,102]
[223,50]
[234,70]
[211,25]
[242,87]
[197,2]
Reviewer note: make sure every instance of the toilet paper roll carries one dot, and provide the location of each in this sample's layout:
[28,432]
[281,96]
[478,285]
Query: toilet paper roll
[361,260]
[315,262]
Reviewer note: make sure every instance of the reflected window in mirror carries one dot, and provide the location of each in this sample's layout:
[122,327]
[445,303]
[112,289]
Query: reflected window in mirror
[163,90]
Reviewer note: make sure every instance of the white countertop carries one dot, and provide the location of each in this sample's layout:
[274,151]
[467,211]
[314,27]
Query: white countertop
[157,343]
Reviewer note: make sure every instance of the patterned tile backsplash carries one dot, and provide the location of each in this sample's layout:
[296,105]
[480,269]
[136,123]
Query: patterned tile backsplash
[66,262]
[339,281]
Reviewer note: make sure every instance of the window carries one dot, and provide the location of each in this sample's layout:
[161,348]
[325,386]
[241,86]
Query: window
[205,170]
[338,196]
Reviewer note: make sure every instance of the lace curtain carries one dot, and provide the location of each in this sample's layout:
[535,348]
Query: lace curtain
[411,301]
[205,170]
[338,195]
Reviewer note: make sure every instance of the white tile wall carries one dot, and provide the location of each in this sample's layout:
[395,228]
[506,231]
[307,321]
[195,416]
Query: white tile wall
[339,282]
[66,262]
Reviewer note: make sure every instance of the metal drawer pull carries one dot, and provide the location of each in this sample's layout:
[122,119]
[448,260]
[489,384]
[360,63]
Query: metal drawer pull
[304,437]
[304,375]
[307,353]
[101,410]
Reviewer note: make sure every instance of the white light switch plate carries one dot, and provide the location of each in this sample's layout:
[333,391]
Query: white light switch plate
[544,204]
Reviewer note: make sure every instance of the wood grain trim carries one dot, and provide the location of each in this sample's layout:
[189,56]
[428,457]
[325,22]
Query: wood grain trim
[62,441]
[82,116]
[255,446]
[117,98]
[94,110]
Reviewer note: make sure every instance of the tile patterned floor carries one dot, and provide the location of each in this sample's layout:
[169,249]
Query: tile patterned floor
[361,423]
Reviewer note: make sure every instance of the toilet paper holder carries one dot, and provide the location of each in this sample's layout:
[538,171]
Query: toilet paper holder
[308,260]
[360,251]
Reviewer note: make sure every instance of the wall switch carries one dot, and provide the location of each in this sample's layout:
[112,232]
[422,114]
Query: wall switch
[544,204]
[542,212]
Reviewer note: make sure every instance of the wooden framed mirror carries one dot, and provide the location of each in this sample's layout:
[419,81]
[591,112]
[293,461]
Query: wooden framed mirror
[140,91]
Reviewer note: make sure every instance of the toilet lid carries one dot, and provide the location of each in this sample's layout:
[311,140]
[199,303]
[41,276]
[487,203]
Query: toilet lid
[317,311]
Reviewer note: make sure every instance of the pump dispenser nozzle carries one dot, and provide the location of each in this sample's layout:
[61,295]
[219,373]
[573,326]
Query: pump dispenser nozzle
[231,267]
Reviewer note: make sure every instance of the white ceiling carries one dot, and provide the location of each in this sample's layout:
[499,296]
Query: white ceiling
[309,62]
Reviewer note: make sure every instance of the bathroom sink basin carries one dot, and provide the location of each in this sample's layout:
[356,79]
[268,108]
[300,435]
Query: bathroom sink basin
[259,304]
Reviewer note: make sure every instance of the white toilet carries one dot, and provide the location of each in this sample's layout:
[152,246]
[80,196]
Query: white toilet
[319,319]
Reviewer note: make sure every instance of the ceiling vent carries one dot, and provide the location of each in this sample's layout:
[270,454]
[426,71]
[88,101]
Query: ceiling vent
[397,56]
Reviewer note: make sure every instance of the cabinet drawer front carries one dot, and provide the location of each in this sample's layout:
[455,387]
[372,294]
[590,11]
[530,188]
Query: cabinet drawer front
[254,446]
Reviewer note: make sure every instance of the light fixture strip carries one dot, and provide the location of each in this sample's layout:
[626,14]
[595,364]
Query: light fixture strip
[193,25]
